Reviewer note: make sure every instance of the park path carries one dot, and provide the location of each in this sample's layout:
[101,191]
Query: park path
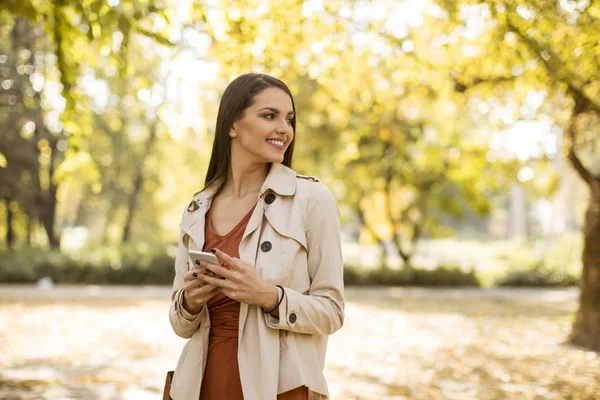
[92,342]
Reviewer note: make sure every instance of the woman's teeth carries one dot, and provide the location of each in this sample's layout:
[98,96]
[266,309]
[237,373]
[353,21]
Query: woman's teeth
[277,143]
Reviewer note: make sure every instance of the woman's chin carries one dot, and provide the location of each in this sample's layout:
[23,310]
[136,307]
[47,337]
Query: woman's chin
[275,158]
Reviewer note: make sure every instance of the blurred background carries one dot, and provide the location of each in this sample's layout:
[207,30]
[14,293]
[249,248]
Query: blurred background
[460,139]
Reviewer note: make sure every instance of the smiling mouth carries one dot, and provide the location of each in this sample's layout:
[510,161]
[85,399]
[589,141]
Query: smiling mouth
[280,144]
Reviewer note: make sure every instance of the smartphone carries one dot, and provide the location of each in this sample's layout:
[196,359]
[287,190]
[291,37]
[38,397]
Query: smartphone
[198,256]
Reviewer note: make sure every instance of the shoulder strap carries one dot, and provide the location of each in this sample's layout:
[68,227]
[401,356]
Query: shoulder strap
[307,177]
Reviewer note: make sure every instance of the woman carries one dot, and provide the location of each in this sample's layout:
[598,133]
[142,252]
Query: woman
[261,331]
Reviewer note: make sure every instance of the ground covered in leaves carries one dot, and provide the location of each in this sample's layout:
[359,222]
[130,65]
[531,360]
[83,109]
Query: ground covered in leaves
[397,343]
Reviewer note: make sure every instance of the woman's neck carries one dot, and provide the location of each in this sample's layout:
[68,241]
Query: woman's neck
[244,180]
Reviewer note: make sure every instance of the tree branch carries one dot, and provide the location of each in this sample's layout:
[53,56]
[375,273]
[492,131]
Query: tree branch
[154,36]
[581,170]
[569,134]
[363,220]
[461,86]
[582,99]
[417,233]
[583,103]
[553,69]
[365,223]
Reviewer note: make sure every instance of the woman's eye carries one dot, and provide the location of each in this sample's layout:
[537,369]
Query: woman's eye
[289,121]
[269,116]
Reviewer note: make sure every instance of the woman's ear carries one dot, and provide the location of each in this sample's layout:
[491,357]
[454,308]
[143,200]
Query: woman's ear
[232,131]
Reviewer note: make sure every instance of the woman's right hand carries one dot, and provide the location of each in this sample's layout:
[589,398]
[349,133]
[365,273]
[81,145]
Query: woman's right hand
[195,291]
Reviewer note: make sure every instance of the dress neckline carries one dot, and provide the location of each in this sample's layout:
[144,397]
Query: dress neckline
[242,222]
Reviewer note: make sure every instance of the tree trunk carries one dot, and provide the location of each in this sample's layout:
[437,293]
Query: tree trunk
[586,330]
[47,218]
[47,211]
[10,233]
[364,223]
[112,211]
[131,204]
[406,257]
[139,181]
[29,230]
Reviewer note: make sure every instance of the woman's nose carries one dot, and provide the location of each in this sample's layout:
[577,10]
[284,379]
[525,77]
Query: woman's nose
[283,127]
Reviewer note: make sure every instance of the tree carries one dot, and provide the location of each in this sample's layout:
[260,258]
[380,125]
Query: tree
[554,46]
[415,161]
[29,148]
[71,32]
[367,110]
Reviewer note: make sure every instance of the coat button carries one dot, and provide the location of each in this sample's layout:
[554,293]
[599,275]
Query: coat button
[266,246]
[292,318]
[269,198]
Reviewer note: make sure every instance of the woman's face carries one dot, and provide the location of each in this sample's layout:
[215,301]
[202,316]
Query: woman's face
[265,131]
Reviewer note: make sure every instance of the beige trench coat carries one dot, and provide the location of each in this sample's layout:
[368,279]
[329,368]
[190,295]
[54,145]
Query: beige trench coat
[300,218]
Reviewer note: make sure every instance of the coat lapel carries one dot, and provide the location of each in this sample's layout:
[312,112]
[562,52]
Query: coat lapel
[195,217]
[195,225]
[281,180]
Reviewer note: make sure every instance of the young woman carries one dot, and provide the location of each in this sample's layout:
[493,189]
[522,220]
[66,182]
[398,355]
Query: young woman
[260,331]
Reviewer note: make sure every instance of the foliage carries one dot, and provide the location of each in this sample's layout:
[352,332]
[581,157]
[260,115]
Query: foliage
[549,46]
[81,114]
[143,265]
[410,276]
[374,103]
[140,264]
[540,263]
[111,265]
[538,275]
[367,109]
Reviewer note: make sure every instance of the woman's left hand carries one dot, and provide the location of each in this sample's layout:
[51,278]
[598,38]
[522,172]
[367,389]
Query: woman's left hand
[241,281]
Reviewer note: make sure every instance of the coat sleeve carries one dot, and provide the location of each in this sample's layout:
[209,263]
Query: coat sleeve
[321,310]
[184,324]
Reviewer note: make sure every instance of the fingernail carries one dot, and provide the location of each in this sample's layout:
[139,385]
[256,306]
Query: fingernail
[195,275]
[213,250]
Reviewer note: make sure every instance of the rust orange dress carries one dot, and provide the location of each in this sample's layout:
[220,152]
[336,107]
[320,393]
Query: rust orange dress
[221,379]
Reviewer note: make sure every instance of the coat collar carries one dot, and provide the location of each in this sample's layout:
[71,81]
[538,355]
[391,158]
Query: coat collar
[280,179]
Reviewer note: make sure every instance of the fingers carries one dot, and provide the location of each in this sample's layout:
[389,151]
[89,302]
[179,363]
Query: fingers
[217,269]
[198,296]
[224,257]
[199,288]
[193,286]
[206,288]
[192,279]
[220,283]
[192,274]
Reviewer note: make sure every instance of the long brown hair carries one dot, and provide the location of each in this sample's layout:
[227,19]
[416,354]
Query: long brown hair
[238,96]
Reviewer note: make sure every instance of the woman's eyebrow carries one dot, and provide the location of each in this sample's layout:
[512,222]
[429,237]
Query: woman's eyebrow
[276,111]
